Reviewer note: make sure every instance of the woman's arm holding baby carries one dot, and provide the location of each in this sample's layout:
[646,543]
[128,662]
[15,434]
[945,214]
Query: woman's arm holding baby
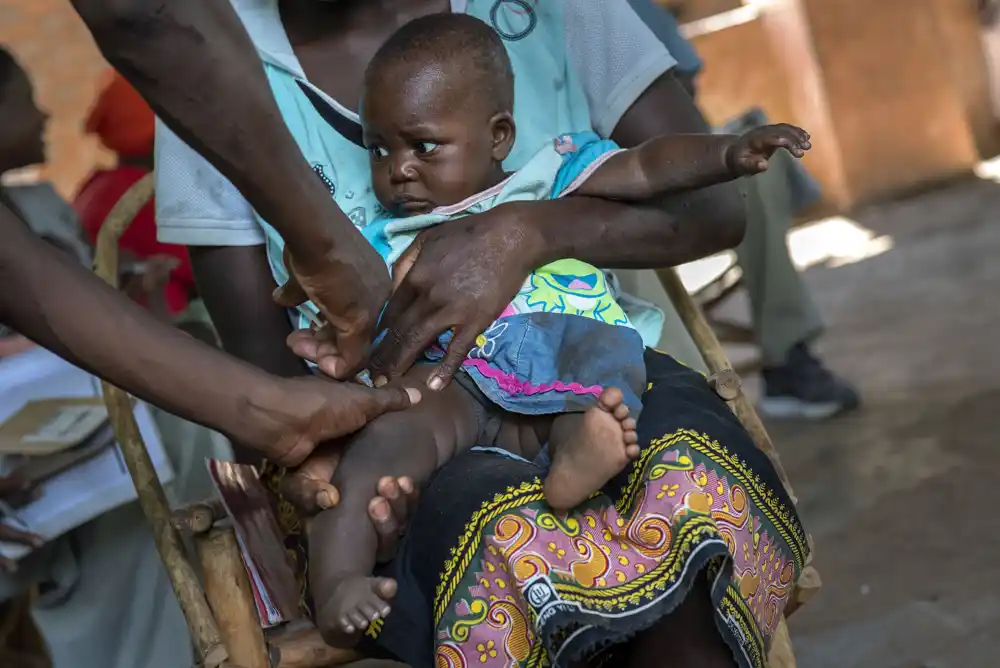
[675,163]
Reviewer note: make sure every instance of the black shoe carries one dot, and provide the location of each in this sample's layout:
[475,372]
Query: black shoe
[804,388]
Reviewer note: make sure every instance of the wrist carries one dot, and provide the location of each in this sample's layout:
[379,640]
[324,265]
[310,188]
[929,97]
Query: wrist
[730,164]
[531,235]
[261,419]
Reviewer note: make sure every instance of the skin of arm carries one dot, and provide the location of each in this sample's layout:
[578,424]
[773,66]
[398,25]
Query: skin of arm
[663,165]
[44,296]
[68,310]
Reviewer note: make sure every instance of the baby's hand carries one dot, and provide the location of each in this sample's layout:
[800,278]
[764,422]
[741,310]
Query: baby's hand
[749,154]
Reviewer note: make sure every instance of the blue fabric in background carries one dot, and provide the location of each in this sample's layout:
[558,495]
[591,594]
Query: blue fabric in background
[664,26]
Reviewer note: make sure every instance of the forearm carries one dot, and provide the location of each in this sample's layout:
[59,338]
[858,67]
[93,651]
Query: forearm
[196,66]
[663,232]
[71,312]
[662,166]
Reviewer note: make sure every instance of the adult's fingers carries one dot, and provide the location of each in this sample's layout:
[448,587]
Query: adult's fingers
[390,511]
[317,347]
[291,294]
[388,400]
[458,349]
[308,488]
[9,534]
[407,337]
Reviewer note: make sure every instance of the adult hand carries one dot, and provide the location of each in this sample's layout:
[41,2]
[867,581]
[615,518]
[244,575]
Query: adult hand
[464,275]
[308,488]
[14,491]
[349,294]
[304,412]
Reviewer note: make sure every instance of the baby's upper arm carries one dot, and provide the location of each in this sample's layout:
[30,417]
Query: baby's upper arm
[195,204]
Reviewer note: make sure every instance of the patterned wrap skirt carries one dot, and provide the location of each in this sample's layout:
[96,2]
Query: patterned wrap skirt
[490,575]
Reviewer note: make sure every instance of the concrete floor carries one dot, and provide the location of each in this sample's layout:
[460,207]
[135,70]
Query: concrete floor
[898,497]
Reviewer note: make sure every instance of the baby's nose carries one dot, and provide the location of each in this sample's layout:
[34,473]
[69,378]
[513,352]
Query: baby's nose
[403,170]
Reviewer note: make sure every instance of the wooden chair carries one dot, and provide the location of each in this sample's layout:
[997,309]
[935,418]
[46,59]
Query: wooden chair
[219,606]
[711,282]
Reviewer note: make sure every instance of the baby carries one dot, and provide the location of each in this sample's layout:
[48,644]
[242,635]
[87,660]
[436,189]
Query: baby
[561,365]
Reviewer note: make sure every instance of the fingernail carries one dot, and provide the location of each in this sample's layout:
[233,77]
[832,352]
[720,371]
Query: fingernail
[380,510]
[435,383]
[37,542]
[325,500]
[413,394]
[380,381]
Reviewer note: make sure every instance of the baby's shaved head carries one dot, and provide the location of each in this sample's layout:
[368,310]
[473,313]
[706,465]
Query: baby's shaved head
[458,47]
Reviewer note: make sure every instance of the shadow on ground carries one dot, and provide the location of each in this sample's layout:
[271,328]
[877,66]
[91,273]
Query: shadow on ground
[901,497]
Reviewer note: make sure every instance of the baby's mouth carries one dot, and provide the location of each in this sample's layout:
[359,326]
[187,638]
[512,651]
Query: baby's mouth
[409,205]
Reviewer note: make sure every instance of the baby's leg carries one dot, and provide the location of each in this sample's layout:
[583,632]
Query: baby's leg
[588,449]
[342,540]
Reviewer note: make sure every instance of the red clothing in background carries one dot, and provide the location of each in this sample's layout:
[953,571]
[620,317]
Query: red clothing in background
[99,194]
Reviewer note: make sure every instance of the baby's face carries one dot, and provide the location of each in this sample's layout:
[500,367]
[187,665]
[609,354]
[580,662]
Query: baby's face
[427,146]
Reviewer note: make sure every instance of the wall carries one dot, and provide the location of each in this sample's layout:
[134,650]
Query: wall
[895,92]
[55,48]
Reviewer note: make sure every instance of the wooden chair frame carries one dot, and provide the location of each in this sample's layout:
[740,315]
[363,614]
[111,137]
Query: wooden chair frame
[219,606]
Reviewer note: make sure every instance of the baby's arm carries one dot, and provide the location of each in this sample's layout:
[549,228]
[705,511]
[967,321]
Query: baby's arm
[673,163]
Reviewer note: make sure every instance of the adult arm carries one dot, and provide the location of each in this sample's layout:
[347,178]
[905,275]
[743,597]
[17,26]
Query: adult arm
[196,66]
[72,313]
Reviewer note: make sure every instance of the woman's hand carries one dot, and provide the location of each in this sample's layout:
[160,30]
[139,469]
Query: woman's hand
[297,414]
[15,491]
[464,275]
[349,294]
[308,488]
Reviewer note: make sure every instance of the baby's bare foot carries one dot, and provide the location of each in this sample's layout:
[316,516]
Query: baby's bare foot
[356,603]
[604,444]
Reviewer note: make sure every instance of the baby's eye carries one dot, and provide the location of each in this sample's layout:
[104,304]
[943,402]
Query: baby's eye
[426,147]
[378,152]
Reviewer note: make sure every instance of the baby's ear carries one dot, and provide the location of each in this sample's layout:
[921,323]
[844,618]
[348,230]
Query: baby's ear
[504,133]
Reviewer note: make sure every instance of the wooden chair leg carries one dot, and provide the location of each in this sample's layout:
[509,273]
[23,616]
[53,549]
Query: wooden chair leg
[228,591]
[208,643]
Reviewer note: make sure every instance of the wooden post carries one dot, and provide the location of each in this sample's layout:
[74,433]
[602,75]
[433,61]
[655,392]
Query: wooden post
[306,649]
[228,591]
[199,517]
[152,500]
